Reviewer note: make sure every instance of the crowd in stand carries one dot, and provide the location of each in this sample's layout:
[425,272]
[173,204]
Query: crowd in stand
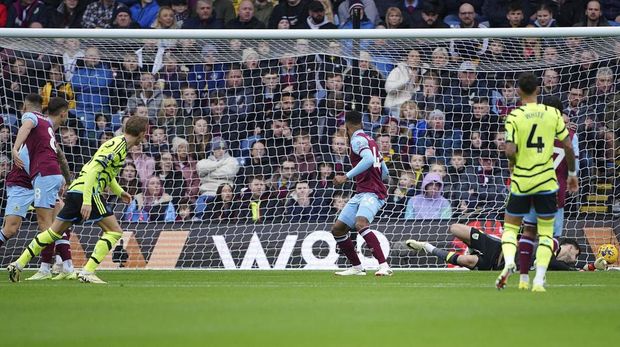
[260,139]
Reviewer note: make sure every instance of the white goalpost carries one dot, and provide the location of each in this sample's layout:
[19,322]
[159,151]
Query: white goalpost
[247,132]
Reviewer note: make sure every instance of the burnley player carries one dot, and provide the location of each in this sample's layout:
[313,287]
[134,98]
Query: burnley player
[530,133]
[38,164]
[485,251]
[369,171]
[527,240]
[83,201]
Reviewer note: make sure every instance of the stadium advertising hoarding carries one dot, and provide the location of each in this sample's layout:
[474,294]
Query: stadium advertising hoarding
[294,246]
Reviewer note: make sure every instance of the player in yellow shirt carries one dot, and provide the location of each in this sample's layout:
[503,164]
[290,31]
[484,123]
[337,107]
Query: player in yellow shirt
[83,202]
[530,133]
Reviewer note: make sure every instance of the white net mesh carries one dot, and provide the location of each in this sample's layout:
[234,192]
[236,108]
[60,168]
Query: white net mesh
[246,136]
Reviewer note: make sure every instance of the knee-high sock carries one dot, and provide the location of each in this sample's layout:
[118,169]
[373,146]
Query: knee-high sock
[346,245]
[526,248]
[63,247]
[102,248]
[47,254]
[373,243]
[509,242]
[35,247]
[544,250]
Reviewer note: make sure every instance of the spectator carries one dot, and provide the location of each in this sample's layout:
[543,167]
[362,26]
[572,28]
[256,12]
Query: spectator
[544,17]
[129,179]
[181,11]
[3,24]
[593,16]
[456,185]
[531,49]
[185,210]
[254,206]
[611,10]
[441,67]
[429,97]
[438,140]
[169,118]
[487,185]
[220,167]
[365,80]
[245,18]
[550,85]
[430,204]
[506,99]
[284,180]
[399,194]
[412,119]
[165,19]
[302,206]
[152,205]
[222,209]
[57,87]
[186,163]
[399,136]
[323,185]
[18,84]
[199,138]
[207,76]
[279,139]
[102,126]
[126,78]
[575,105]
[461,94]
[172,76]
[74,148]
[284,24]
[339,201]
[302,154]
[145,13]
[221,123]
[428,16]
[390,154]
[158,142]
[143,162]
[28,12]
[121,19]
[204,17]
[263,10]
[100,14]
[68,14]
[294,11]
[417,163]
[370,10]
[402,82]
[91,84]
[338,154]
[463,50]
[190,104]
[250,69]
[258,164]
[6,141]
[316,17]
[171,178]
[394,19]
[308,118]
[239,100]
[374,118]
[365,22]
[72,53]
[514,14]
[147,96]
[224,10]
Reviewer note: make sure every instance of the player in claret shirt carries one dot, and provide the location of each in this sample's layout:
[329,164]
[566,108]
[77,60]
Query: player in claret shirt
[369,171]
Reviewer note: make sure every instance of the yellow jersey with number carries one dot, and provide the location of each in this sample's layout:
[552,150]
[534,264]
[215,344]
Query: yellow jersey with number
[533,129]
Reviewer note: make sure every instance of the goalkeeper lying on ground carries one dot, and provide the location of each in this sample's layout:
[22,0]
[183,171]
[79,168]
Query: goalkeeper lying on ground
[486,251]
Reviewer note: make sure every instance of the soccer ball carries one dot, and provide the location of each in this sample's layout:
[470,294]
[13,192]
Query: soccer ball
[608,252]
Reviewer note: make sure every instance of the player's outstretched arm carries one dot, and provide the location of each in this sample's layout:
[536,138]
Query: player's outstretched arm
[22,134]
[573,182]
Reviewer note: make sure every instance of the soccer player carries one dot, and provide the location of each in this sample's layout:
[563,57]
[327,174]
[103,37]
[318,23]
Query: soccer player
[83,201]
[40,168]
[369,171]
[526,242]
[530,133]
[486,251]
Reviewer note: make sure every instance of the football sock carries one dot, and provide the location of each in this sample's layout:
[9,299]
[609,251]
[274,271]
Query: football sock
[45,267]
[526,248]
[524,278]
[35,247]
[543,256]
[67,266]
[509,243]
[2,238]
[440,253]
[47,254]
[346,245]
[63,247]
[429,248]
[373,243]
[452,258]
[102,248]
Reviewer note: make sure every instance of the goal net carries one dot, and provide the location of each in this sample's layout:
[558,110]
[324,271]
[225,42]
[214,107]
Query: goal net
[247,133]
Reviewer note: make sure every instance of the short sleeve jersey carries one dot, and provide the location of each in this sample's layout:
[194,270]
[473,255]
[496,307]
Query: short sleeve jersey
[533,128]
[41,146]
[101,171]
[370,180]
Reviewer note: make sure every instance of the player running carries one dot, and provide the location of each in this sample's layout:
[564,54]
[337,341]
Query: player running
[485,251]
[530,133]
[369,171]
[526,242]
[40,169]
[83,201]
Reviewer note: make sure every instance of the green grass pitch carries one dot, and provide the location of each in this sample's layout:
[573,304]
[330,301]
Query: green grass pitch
[311,308]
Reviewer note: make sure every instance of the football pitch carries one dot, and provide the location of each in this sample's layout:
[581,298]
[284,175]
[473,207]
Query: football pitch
[311,308]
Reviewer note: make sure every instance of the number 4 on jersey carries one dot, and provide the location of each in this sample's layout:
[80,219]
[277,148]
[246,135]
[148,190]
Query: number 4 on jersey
[539,145]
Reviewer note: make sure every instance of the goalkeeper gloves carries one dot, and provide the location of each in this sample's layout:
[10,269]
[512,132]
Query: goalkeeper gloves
[599,264]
